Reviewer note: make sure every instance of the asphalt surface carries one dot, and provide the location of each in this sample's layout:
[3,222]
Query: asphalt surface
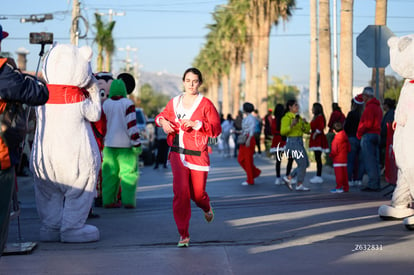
[260,229]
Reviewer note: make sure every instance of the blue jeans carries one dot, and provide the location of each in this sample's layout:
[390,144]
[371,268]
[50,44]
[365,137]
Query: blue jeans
[355,160]
[370,153]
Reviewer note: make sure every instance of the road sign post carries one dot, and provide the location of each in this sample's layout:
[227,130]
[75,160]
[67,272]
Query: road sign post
[373,50]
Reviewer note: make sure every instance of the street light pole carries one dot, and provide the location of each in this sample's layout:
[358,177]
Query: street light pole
[74,30]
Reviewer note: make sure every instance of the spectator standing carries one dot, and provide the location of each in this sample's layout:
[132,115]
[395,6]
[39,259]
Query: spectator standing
[237,130]
[246,152]
[335,116]
[227,127]
[368,132]
[339,154]
[14,87]
[293,127]
[162,148]
[258,130]
[278,141]
[268,122]
[355,164]
[318,142]
[389,111]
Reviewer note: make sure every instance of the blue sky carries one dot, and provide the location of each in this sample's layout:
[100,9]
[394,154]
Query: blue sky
[168,34]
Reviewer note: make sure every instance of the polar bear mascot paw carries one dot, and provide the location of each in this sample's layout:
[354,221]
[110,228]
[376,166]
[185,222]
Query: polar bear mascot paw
[402,62]
[387,212]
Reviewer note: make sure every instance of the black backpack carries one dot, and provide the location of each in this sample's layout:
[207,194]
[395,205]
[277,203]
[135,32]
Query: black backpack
[14,124]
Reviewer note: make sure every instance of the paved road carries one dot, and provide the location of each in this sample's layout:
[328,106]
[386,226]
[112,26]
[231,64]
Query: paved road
[261,229]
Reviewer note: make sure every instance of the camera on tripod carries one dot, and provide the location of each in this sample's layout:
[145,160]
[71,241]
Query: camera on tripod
[41,38]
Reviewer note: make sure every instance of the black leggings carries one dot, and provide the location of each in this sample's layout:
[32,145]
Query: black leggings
[318,159]
[289,166]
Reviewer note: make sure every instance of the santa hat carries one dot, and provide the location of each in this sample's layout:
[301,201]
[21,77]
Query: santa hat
[358,99]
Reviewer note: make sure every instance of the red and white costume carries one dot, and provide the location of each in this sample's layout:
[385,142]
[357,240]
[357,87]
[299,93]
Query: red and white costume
[320,143]
[189,158]
[339,153]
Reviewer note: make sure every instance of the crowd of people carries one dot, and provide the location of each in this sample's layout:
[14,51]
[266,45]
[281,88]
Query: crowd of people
[353,144]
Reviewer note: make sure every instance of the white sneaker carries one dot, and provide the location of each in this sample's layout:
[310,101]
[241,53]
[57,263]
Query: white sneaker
[287,183]
[316,179]
[278,181]
[302,188]
[244,183]
[351,183]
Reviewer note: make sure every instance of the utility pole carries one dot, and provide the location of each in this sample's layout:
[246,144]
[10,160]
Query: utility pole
[128,60]
[74,30]
[111,13]
[335,53]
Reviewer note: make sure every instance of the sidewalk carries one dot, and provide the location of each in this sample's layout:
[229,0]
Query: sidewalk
[260,229]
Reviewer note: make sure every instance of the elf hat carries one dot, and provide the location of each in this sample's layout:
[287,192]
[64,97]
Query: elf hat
[117,88]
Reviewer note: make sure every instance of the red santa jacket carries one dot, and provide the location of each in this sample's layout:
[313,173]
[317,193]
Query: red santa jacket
[340,148]
[320,143]
[192,144]
[370,122]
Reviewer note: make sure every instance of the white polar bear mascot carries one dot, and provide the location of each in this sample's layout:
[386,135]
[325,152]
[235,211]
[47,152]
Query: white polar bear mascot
[402,62]
[65,159]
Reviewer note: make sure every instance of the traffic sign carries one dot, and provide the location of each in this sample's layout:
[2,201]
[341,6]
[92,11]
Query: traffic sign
[372,47]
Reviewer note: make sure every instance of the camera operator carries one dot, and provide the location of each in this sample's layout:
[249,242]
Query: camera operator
[14,87]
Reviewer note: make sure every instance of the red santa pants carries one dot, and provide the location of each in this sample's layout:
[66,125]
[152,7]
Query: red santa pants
[245,160]
[341,175]
[188,185]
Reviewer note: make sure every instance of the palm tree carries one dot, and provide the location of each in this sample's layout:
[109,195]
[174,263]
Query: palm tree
[380,19]
[325,56]
[104,41]
[346,53]
[313,59]
[263,15]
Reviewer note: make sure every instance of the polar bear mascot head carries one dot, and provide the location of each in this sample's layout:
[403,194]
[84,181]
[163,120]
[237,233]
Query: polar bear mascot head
[66,64]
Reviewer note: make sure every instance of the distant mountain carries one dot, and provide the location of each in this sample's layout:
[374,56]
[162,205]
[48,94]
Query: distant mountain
[162,82]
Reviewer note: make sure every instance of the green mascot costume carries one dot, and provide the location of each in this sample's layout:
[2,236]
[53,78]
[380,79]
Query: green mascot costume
[122,148]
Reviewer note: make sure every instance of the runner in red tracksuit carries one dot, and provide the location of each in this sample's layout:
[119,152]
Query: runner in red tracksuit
[189,120]
[339,153]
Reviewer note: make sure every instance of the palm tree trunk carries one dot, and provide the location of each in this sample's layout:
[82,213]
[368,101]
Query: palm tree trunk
[108,62]
[325,56]
[99,59]
[313,71]
[225,100]
[235,85]
[346,53]
[380,19]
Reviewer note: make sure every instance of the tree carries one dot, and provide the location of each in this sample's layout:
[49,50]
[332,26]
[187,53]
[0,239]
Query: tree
[346,53]
[104,41]
[263,15]
[325,56]
[152,102]
[380,19]
[393,87]
[313,59]
[279,92]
